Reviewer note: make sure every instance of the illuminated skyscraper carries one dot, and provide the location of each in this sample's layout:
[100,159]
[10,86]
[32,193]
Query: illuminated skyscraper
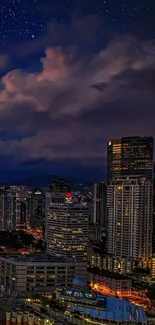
[67,228]
[130,156]
[153,243]
[130,202]
[129,218]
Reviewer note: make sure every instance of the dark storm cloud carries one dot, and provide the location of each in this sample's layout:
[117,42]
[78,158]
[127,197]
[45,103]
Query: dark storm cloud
[100,87]
[22,120]
[79,33]
[73,106]
[141,80]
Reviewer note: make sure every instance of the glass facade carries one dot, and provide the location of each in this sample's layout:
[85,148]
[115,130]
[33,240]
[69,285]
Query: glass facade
[131,156]
[129,220]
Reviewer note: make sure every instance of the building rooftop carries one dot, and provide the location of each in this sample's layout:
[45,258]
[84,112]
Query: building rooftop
[107,274]
[69,205]
[104,307]
[116,310]
[35,258]
[79,291]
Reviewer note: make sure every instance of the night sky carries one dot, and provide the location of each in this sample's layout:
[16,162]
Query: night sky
[74,73]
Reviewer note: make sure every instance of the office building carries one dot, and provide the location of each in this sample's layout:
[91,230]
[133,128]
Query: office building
[130,156]
[26,274]
[67,228]
[129,222]
[99,203]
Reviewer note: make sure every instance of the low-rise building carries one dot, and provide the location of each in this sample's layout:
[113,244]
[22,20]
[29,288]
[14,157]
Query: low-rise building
[96,308]
[96,258]
[24,274]
[102,260]
[25,318]
[112,283]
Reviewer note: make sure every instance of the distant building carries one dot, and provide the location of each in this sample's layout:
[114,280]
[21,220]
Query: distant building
[22,213]
[67,227]
[99,203]
[60,185]
[38,203]
[8,209]
[36,199]
[130,156]
[13,208]
[129,220]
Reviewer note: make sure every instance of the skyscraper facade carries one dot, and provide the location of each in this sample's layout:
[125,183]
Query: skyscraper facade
[8,205]
[130,202]
[129,214]
[130,156]
[36,207]
[99,204]
[38,203]
[153,239]
[21,212]
[67,228]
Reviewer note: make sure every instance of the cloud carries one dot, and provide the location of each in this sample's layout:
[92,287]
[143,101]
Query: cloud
[75,104]
[4,61]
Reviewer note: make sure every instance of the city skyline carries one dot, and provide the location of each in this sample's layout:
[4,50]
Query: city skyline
[73,76]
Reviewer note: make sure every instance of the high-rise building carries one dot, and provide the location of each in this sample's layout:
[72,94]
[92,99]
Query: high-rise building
[99,204]
[153,237]
[21,212]
[38,203]
[129,219]
[36,208]
[130,156]
[8,204]
[67,228]
[13,208]
[60,185]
